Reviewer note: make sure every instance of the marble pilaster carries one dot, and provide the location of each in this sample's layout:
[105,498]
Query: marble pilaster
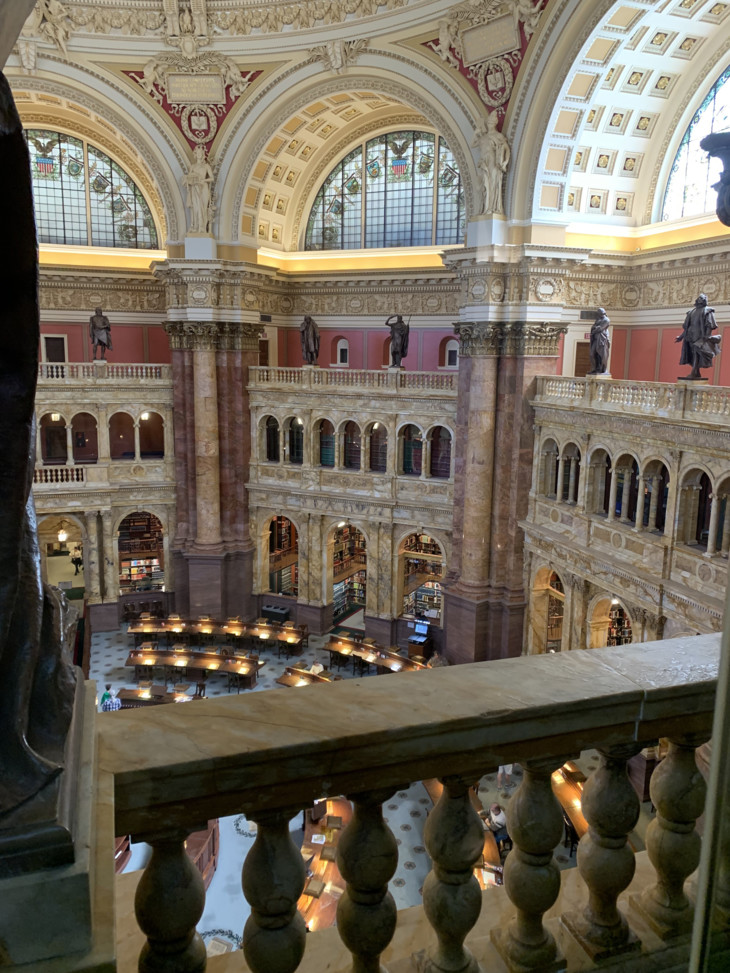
[109,558]
[207,444]
[91,558]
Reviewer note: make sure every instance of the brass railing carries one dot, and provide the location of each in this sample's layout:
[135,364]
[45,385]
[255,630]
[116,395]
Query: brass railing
[270,754]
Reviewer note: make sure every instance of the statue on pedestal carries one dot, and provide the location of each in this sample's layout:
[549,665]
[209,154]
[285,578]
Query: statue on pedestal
[699,345]
[600,344]
[199,180]
[38,685]
[100,332]
[494,156]
[309,334]
[399,331]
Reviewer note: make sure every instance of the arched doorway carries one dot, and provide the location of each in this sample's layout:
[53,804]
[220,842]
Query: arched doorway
[349,575]
[60,541]
[421,568]
[283,557]
[141,559]
[609,624]
[548,608]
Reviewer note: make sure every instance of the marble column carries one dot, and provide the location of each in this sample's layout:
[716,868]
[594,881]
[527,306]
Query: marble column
[560,480]
[110,574]
[639,518]
[137,454]
[91,558]
[654,485]
[484,605]
[714,520]
[69,446]
[207,471]
[625,494]
[612,491]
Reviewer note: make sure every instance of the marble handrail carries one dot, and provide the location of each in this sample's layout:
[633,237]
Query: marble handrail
[260,750]
[323,379]
[106,373]
[270,754]
[685,401]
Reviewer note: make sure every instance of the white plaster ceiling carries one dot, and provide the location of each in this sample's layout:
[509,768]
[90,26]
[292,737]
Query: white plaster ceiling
[624,105]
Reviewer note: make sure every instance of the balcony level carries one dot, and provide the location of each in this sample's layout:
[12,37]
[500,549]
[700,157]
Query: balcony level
[269,755]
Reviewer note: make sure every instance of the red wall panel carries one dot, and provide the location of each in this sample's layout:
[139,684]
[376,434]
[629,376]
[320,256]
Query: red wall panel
[159,346]
[642,361]
[618,352]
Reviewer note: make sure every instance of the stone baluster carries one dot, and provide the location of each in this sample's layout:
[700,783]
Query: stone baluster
[531,877]
[452,899]
[605,860]
[168,903]
[273,880]
[678,793]
[612,490]
[560,478]
[712,530]
[367,857]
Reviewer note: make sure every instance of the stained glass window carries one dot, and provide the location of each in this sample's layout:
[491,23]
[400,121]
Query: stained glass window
[83,197]
[402,189]
[689,188]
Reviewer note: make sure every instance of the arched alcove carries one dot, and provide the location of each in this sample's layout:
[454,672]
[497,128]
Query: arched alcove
[421,566]
[141,556]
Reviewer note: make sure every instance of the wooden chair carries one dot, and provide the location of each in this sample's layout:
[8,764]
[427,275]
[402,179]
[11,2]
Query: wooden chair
[304,631]
[571,836]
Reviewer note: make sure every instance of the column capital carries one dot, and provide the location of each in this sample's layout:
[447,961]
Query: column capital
[507,338]
[478,339]
[213,335]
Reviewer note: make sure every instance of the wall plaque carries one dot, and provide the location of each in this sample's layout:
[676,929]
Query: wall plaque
[199,89]
[485,41]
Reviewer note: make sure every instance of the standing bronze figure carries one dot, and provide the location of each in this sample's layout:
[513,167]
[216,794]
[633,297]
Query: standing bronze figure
[699,345]
[309,334]
[399,330]
[600,344]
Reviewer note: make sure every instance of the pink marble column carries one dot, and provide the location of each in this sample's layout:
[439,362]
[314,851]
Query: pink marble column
[207,462]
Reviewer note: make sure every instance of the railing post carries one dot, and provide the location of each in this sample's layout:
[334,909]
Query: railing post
[452,899]
[367,857]
[273,880]
[531,877]
[677,791]
[169,902]
[605,860]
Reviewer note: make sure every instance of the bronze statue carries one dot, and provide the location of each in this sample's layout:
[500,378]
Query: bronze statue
[309,334]
[399,330]
[100,332]
[600,344]
[699,345]
[37,685]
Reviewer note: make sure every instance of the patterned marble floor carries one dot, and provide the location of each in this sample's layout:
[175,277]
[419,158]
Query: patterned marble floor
[226,910]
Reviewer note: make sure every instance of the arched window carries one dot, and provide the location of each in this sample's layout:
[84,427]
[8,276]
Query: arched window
[412,450]
[272,440]
[352,446]
[343,352]
[326,443]
[296,441]
[84,438]
[121,436]
[440,452]
[689,188]
[53,438]
[81,196]
[151,436]
[385,194]
[451,353]
[378,448]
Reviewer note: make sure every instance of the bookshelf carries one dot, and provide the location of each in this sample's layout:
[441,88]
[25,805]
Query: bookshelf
[619,627]
[141,563]
[556,609]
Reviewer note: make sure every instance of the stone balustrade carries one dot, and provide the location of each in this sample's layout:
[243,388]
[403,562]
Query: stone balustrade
[45,475]
[103,373]
[683,401]
[337,379]
[268,755]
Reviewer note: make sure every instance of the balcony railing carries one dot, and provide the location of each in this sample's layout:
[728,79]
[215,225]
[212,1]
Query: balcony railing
[271,754]
[58,474]
[263,376]
[706,404]
[91,373]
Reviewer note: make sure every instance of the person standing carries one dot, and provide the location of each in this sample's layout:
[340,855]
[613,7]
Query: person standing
[109,703]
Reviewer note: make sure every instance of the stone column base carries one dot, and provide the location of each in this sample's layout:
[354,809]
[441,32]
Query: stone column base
[481,625]
[104,617]
[318,618]
[46,918]
[576,926]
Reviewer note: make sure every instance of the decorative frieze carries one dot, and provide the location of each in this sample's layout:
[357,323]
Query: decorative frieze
[480,339]
[213,335]
[63,292]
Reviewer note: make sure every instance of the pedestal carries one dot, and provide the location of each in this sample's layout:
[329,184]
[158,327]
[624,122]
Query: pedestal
[487,231]
[200,246]
[47,911]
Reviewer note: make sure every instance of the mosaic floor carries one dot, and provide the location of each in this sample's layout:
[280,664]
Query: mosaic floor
[226,910]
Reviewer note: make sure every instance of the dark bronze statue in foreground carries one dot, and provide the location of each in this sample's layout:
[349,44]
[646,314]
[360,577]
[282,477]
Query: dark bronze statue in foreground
[37,685]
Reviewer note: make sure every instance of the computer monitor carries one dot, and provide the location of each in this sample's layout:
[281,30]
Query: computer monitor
[421,628]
